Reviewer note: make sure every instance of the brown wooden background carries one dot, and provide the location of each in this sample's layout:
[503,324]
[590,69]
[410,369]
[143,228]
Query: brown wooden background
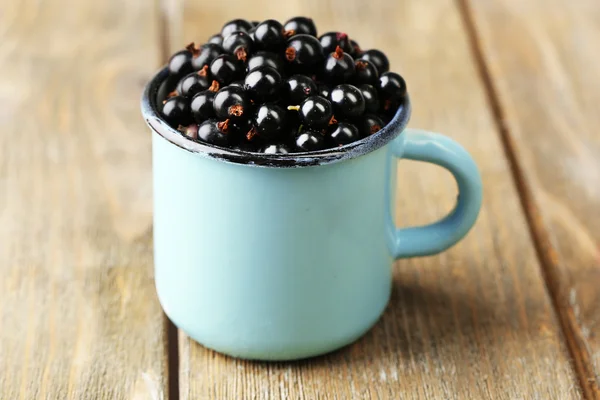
[512,312]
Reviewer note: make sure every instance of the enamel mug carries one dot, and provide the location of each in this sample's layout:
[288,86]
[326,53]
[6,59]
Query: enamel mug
[280,257]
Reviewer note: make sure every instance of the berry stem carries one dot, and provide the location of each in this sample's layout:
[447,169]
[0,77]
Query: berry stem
[193,49]
[236,110]
[223,126]
[251,133]
[293,108]
[290,54]
[203,71]
[338,53]
[214,86]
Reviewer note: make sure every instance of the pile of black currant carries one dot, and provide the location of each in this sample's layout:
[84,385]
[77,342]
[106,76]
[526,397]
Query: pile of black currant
[272,88]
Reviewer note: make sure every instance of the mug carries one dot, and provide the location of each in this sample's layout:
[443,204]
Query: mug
[287,256]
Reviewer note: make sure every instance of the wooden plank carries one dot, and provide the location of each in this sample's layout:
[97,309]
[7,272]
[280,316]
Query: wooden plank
[78,313]
[543,61]
[474,322]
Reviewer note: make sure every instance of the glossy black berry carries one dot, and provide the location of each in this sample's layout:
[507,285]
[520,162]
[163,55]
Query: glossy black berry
[310,140]
[263,84]
[205,55]
[192,83]
[297,88]
[371,97]
[347,101]
[300,25]
[176,111]
[339,67]
[365,73]
[303,51]
[276,148]
[356,50]
[237,83]
[180,63]
[369,124]
[316,112]
[255,23]
[392,86]
[235,25]
[240,44]
[202,106]
[378,59]
[331,40]
[323,90]
[216,39]
[231,102]
[226,68]
[214,132]
[268,35]
[265,59]
[343,133]
[269,121]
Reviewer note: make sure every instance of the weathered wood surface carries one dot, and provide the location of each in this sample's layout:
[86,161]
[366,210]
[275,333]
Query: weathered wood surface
[79,318]
[543,60]
[475,322]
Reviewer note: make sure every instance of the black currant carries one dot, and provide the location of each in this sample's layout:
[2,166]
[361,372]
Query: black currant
[371,98]
[331,40]
[255,23]
[343,133]
[193,83]
[231,102]
[297,88]
[202,106]
[268,35]
[377,58]
[215,132]
[240,44]
[180,63]
[265,59]
[303,51]
[269,121]
[339,67]
[190,131]
[392,86]
[205,55]
[365,73]
[262,84]
[276,148]
[216,39]
[347,101]
[176,111]
[369,124]
[300,25]
[235,25]
[310,140]
[316,112]
[356,50]
[237,83]
[226,68]
[323,90]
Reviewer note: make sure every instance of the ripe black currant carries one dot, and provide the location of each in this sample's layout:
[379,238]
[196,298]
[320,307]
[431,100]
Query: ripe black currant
[265,59]
[193,83]
[331,40]
[176,111]
[240,44]
[339,67]
[316,112]
[231,102]
[323,90]
[365,73]
[269,121]
[235,25]
[268,35]
[205,55]
[392,86]
[300,25]
[216,39]
[356,50]
[297,88]
[303,51]
[226,68]
[310,140]
[262,84]
[371,98]
[202,105]
[180,63]
[276,148]
[347,101]
[343,133]
[369,124]
[377,58]
[214,132]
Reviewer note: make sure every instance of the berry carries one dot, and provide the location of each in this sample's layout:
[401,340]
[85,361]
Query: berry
[366,72]
[300,25]
[181,62]
[303,51]
[378,59]
[235,25]
[331,40]
[369,124]
[343,133]
[255,23]
[269,121]
[371,98]
[237,83]
[226,68]
[214,132]
[268,35]
[324,90]
[205,55]
[176,111]
[297,88]
[347,101]
[216,39]
[356,50]
[245,146]
[276,148]
[262,84]
[265,58]
[392,86]
[192,83]
[240,44]
[316,112]
[190,131]
[339,66]
[231,102]
[310,141]
[202,106]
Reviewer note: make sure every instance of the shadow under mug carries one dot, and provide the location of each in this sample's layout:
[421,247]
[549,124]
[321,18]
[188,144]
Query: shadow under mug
[279,257]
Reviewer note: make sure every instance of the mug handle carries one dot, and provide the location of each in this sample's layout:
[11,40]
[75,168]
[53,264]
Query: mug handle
[418,145]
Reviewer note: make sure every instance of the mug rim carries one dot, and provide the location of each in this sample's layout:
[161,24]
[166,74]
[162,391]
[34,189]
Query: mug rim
[292,160]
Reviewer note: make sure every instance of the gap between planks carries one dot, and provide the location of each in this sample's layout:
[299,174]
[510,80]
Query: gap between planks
[580,356]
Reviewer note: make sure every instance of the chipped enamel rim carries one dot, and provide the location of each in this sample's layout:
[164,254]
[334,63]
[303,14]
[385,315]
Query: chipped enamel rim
[306,159]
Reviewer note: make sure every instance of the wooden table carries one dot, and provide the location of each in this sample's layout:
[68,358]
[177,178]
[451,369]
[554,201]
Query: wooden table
[512,312]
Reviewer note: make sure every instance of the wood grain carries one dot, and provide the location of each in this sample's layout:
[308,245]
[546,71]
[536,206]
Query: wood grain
[79,318]
[474,322]
[547,51]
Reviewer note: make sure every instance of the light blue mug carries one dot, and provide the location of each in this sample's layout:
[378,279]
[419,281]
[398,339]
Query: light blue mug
[280,257]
